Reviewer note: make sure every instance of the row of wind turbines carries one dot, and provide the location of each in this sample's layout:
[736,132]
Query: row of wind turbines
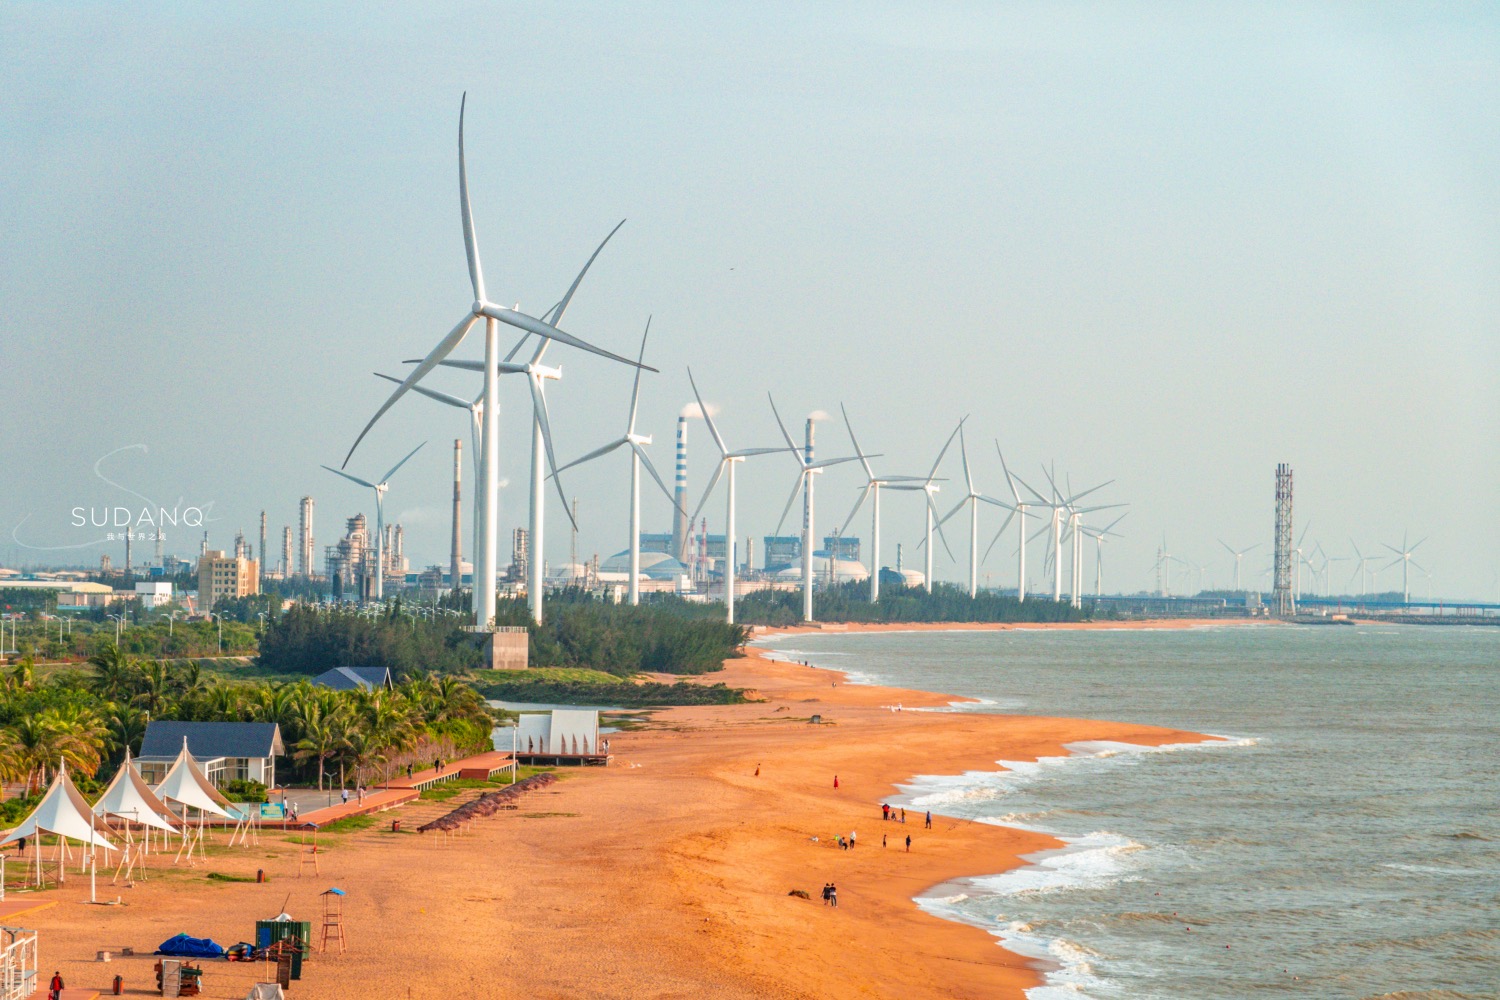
[1319,564]
[1064,513]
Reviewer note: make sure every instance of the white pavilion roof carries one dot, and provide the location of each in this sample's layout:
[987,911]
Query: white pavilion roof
[187,785]
[130,798]
[62,812]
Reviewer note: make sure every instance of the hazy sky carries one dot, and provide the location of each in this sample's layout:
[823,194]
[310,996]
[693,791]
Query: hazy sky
[1165,244]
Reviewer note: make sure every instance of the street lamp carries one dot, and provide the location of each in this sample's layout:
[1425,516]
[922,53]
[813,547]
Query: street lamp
[171,620]
[220,620]
[118,622]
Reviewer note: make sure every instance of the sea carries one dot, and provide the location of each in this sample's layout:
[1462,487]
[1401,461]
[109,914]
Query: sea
[1341,841]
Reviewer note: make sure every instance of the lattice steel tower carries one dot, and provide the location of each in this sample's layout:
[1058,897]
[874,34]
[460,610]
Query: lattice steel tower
[1282,603]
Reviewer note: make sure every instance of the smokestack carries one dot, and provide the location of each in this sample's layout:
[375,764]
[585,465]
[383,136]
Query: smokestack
[455,559]
[263,551]
[305,534]
[809,439]
[286,551]
[128,535]
[680,527]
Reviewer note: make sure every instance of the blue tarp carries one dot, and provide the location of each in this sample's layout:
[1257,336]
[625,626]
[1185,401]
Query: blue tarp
[190,947]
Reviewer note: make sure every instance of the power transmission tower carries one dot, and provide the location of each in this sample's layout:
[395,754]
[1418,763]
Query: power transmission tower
[1282,603]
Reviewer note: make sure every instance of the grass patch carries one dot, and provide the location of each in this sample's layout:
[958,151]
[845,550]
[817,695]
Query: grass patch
[348,824]
[581,675]
[222,877]
[546,815]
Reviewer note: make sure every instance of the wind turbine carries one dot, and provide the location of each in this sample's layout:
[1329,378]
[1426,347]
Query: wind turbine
[476,420]
[1403,556]
[543,456]
[973,497]
[1021,507]
[1359,568]
[928,486]
[871,491]
[727,461]
[379,488]
[1058,504]
[1300,559]
[635,443]
[1238,555]
[1099,535]
[482,308]
[807,469]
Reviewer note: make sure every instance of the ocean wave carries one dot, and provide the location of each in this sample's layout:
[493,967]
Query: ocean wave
[1089,861]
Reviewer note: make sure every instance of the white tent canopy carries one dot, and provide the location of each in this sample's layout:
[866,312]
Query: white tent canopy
[128,797]
[187,785]
[64,813]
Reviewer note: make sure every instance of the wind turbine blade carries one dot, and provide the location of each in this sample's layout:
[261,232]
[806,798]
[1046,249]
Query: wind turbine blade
[1110,527]
[503,367]
[591,455]
[995,541]
[1394,562]
[796,488]
[1394,549]
[1227,548]
[825,463]
[752,452]
[635,391]
[561,307]
[646,461]
[858,503]
[539,407]
[1040,532]
[520,344]
[1080,496]
[471,242]
[1305,529]
[441,397]
[997,503]
[352,479]
[712,482]
[963,451]
[942,537]
[946,445]
[438,353]
[801,458]
[956,508]
[1039,501]
[548,332]
[1414,547]
[1418,565]
[387,477]
[1006,469]
[863,460]
[713,429]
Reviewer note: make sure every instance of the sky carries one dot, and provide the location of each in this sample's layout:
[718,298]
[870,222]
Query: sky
[1159,244]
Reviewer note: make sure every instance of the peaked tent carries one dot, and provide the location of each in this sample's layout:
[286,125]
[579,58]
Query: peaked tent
[128,797]
[187,785]
[63,813]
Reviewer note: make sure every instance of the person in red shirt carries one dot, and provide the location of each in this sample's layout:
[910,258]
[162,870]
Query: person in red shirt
[55,988]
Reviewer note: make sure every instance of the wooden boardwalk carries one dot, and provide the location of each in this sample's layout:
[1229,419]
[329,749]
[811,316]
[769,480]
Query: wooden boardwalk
[401,789]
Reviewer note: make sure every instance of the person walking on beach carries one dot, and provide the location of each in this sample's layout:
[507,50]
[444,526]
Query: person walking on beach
[852,835]
[835,782]
[885,811]
[903,815]
[882,840]
[361,793]
[833,895]
[827,892]
[908,843]
[757,770]
[928,826]
[55,988]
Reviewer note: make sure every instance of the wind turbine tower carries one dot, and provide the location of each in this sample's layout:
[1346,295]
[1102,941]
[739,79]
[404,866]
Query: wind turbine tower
[679,494]
[455,558]
[1282,602]
[807,531]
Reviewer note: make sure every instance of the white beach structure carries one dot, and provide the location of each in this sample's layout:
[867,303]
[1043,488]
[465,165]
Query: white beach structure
[569,732]
[64,814]
[189,788]
[129,799]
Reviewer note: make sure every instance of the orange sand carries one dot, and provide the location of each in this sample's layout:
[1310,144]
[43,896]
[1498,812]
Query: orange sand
[665,875]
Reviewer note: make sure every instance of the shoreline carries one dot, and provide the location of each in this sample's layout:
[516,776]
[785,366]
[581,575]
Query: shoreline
[666,874]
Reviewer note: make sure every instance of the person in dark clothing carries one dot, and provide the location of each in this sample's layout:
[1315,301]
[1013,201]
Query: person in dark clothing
[55,988]
[908,843]
[929,820]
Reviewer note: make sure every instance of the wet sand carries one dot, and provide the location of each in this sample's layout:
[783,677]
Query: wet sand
[665,875]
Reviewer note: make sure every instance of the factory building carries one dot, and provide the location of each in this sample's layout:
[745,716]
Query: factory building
[221,576]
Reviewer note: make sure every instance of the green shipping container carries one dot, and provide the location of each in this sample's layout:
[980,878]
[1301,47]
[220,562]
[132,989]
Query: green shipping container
[268,932]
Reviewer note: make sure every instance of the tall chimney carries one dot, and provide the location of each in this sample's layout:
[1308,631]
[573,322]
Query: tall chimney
[680,527]
[305,536]
[455,559]
[263,551]
[286,551]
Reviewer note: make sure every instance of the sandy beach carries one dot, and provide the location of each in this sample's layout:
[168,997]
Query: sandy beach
[665,875]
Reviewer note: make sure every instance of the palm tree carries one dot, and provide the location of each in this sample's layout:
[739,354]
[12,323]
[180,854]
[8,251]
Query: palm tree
[114,674]
[23,676]
[323,737]
[155,688]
